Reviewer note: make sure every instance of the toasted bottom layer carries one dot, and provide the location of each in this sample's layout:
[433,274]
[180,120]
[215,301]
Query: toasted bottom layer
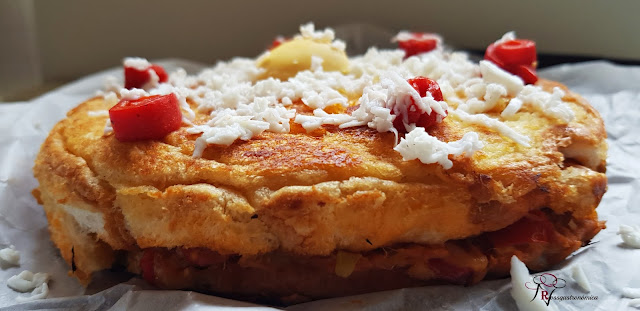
[540,239]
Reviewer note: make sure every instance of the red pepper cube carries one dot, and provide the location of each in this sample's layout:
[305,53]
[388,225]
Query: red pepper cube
[417,43]
[414,113]
[517,52]
[136,78]
[151,117]
[516,56]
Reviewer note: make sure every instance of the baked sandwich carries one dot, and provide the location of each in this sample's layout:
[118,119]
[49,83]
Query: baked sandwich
[306,174]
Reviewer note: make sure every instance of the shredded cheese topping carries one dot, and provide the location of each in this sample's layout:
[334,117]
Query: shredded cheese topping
[417,144]
[242,103]
[494,124]
[136,62]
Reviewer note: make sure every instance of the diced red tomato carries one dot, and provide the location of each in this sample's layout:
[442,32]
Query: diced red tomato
[151,117]
[136,78]
[162,74]
[527,73]
[424,85]
[417,43]
[515,56]
[414,113]
[490,55]
[519,51]
[533,228]
[147,265]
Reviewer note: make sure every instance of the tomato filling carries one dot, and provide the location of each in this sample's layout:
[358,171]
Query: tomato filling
[147,265]
[533,228]
[540,239]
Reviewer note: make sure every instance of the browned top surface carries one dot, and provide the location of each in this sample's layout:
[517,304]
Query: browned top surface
[326,190]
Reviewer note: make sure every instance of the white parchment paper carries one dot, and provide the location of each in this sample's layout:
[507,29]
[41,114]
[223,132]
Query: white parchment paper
[609,265]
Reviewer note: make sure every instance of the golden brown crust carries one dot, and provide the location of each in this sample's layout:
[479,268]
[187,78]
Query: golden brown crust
[313,194]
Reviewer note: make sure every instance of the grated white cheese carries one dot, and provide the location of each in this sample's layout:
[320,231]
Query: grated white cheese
[511,35]
[404,35]
[225,128]
[496,125]
[308,31]
[108,128]
[630,292]
[548,104]
[132,94]
[112,84]
[630,236]
[494,74]
[10,256]
[512,108]
[418,144]
[492,94]
[239,104]
[321,117]
[519,277]
[154,80]
[580,277]
[392,94]
[339,44]
[316,63]
[136,62]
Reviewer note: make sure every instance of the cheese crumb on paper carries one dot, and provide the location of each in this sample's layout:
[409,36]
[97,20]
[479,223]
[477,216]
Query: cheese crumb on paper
[580,277]
[630,236]
[630,292]
[10,256]
[27,281]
